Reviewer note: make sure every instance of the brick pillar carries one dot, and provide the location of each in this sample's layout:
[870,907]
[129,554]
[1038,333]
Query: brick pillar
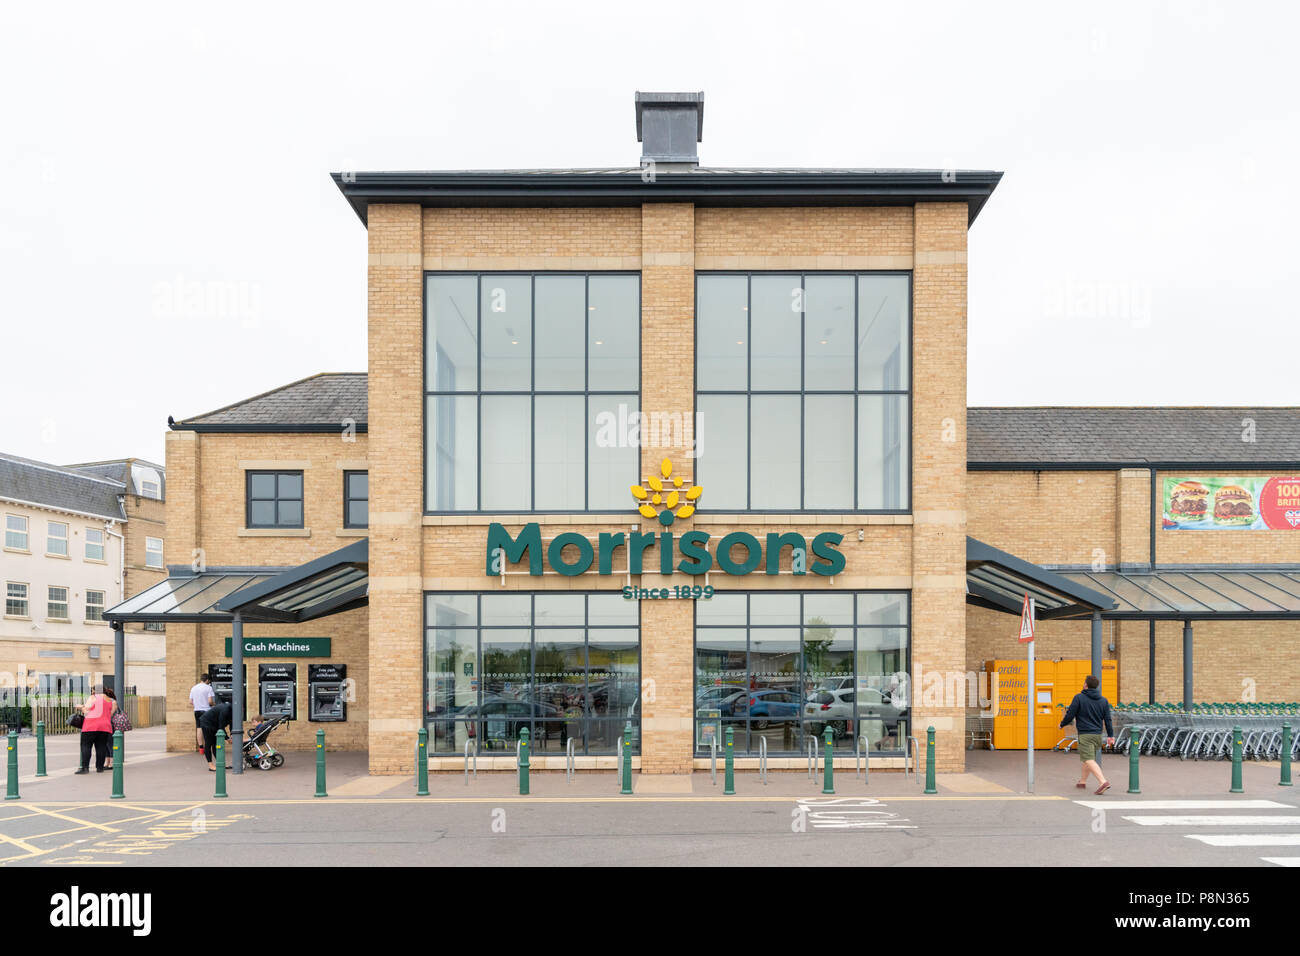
[667,383]
[395,444]
[183,512]
[939,475]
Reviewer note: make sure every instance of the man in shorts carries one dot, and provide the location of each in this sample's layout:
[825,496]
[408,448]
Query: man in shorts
[202,699]
[1089,711]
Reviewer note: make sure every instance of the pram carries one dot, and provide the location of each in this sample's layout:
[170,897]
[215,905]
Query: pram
[257,752]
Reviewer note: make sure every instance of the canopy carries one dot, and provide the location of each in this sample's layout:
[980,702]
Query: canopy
[998,580]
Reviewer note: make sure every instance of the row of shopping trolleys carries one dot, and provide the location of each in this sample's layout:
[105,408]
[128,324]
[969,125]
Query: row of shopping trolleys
[1205,732]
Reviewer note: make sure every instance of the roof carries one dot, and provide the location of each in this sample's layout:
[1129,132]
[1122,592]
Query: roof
[119,469]
[1179,436]
[999,581]
[703,186]
[1236,592]
[320,403]
[33,482]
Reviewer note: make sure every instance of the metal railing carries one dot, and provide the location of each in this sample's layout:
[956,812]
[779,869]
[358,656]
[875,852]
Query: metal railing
[762,760]
[812,758]
[914,748]
[861,749]
[1205,732]
[568,761]
[471,742]
[713,759]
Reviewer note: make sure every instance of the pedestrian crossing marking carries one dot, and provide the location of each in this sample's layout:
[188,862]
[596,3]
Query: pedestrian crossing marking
[1184,805]
[1282,860]
[1247,839]
[1221,821]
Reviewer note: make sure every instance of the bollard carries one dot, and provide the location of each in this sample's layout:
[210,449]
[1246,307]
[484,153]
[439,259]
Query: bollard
[828,772]
[11,789]
[219,755]
[627,760]
[929,761]
[320,764]
[117,767]
[422,763]
[729,774]
[523,762]
[1286,755]
[1133,753]
[40,749]
[1236,761]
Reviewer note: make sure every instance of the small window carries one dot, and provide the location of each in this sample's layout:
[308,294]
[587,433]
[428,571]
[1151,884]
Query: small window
[94,544]
[356,499]
[16,532]
[94,605]
[57,607]
[56,539]
[153,552]
[16,599]
[274,499]
[150,489]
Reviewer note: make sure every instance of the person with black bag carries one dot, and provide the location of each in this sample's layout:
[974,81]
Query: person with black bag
[96,729]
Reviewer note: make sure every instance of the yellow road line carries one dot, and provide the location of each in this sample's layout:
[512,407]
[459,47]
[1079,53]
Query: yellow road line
[381,801]
[31,850]
[70,819]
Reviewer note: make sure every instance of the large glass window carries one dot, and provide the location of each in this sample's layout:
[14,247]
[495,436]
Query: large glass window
[785,666]
[566,666]
[356,499]
[530,380]
[803,391]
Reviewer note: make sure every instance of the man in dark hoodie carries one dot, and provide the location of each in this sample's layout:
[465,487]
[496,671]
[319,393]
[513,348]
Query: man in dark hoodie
[1089,710]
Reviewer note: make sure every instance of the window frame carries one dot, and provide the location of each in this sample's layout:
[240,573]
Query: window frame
[50,602]
[50,537]
[102,545]
[479,628]
[803,392]
[248,498]
[348,500]
[531,392]
[749,747]
[26,599]
[26,533]
[162,564]
[155,494]
[101,604]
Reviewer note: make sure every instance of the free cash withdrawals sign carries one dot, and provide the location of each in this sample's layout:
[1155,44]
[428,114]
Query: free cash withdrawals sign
[284,647]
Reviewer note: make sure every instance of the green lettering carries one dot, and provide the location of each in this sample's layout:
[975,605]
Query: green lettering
[775,542]
[753,553]
[555,553]
[695,554]
[609,543]
[636,546]
[529,542]
[833,562]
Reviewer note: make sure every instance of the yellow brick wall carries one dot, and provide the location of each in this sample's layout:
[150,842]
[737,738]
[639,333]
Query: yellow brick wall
[1048,517]
[531,238]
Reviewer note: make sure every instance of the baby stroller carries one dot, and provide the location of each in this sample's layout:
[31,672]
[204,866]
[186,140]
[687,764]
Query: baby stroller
[257,752]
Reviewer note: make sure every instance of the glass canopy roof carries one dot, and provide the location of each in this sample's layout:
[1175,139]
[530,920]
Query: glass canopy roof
[1226,592]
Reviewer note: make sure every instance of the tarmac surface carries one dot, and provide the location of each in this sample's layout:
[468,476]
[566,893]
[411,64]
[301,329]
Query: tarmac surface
[1184,816]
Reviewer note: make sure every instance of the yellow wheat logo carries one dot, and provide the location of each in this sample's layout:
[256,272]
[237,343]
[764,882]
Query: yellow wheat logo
[656,497]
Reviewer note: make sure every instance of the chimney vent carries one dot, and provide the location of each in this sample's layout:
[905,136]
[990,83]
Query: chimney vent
[668,125]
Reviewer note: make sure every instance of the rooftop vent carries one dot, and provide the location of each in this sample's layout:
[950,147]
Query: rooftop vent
[668,125]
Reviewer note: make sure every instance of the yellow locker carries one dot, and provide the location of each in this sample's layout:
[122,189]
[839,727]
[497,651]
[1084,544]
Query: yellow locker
[1056,684]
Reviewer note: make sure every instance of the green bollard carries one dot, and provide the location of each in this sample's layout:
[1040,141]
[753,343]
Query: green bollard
[929,761]
[320,764]
[729,777]
[219,755]
[523,762]
[1286,755]
[11,789]
[422,763]
[40,749]
[1133,754]
[117,767]
[627,760]
[828,772]
[1236,761]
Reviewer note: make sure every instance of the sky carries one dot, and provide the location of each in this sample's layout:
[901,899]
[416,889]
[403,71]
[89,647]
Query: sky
[171,242]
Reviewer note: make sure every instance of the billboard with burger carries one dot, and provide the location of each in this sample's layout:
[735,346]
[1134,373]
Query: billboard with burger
[1211,504]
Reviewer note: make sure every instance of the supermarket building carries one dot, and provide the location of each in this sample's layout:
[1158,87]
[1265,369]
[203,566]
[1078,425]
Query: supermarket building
[686,449]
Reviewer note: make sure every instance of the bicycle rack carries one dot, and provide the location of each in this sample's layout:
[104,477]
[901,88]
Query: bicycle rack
[713,759]
[620,758]
[862,749]
[762,760]
[568,761]
[914,746]
[468,743]
[812,759]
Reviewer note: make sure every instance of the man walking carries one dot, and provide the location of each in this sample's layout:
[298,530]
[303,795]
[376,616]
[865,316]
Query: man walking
[214,719]
[202,699]
[1089,710]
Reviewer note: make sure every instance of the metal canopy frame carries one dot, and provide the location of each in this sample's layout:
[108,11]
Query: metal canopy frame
[999,581]
[1201,593]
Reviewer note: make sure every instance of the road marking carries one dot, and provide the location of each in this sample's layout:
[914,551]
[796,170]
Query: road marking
[1177,821]
[19,843]
[68,819]
[1184,805]
[1246,839]
[1282,860]
[380,801]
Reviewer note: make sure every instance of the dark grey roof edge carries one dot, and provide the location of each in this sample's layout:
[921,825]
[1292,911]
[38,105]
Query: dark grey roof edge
[196,422]
[703,186]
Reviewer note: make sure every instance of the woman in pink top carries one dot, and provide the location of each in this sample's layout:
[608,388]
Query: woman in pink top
[97,730]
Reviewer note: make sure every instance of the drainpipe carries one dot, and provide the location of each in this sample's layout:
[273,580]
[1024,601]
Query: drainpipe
[119,634]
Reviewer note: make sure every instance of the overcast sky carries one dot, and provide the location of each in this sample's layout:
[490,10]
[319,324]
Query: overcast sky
[170,240]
